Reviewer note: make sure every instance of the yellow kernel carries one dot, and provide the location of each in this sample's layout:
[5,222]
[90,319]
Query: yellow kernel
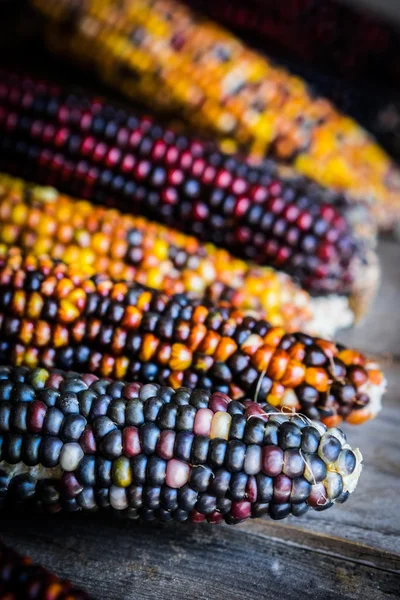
[154,278]
[160,249]
[122,472]
[9,233]
[100,242]
[67,311]
[35,305]
[220,425]
[19,214]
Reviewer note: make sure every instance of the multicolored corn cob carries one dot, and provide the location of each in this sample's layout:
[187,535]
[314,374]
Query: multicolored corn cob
[20,578]
[74,442]
[376,110]
[100,152]
[327,34]
[103,241]
[344,56]
[162,53]
[52,315]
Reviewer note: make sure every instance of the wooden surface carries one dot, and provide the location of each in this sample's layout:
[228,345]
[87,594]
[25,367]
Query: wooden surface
[350,551]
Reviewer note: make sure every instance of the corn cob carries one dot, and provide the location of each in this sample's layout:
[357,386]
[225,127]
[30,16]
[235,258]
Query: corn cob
[21,579]
[296,33]
[101,240]
[74,442]
[52,315]
[378,111]
[327,34]
[99,152]
[160,52]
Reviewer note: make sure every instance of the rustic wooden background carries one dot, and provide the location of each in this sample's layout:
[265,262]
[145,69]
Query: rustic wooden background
[350,551]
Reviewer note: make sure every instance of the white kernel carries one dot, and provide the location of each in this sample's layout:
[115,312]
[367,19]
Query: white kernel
[220,425]
[290,399]
[118,499]
[70,457]
[252,461]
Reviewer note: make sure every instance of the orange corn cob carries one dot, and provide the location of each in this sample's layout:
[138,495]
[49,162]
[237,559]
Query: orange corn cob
[54,316]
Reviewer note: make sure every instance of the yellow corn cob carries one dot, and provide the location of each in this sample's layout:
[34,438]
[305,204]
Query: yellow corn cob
[162,53]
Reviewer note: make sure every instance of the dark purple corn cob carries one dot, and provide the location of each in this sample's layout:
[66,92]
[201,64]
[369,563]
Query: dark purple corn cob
[21,579]
[94,150]
[75,442]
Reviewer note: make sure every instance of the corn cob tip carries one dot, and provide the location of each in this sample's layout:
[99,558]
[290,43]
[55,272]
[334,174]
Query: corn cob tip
[375,389]
[75,442]
[366,283]
[329,313]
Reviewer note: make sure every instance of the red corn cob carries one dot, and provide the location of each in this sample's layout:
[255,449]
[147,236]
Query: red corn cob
[100,152]
[21,579]
[53,315]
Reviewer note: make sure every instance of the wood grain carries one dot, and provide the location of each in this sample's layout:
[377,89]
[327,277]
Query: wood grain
[117,560]
[350,551]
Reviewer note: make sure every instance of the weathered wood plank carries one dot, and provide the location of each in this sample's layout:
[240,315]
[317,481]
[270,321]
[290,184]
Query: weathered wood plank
[380,330]
[117,560]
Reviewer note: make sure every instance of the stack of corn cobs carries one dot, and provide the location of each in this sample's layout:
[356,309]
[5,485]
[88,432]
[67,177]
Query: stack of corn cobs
[166,328]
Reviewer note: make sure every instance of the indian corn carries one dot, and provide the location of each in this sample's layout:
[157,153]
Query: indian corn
[345,56]
[54,316]
[101,240]
[74,442]
[91,149]
[160,52]
[20,578]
